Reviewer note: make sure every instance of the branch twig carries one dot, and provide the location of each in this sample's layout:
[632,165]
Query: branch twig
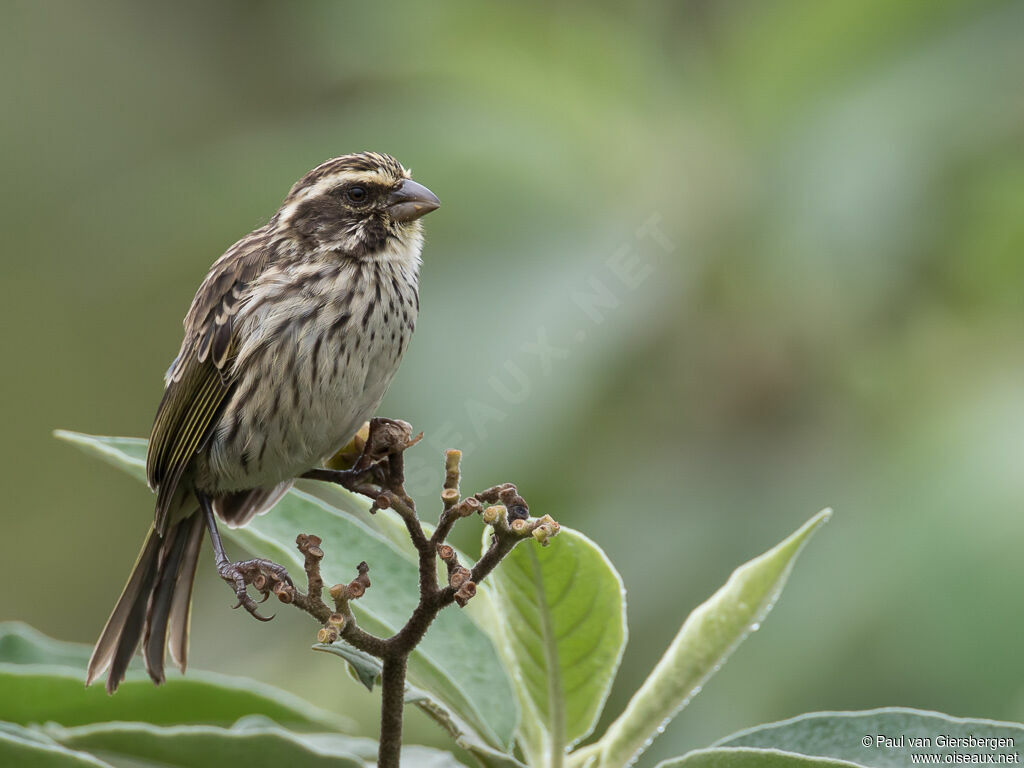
[379,474]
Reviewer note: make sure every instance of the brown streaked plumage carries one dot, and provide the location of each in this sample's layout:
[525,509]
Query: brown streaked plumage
[289,346]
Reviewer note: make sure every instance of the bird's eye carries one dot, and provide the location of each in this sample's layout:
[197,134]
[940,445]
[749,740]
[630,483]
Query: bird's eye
[356,194]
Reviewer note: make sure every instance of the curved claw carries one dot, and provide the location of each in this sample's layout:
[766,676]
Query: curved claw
[239,575]
[250,606]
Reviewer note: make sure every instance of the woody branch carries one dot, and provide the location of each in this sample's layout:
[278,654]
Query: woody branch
[379,474]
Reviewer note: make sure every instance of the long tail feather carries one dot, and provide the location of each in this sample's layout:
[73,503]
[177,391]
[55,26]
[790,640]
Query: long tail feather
[155,635]
[160,586]
[124,626]
[180,618]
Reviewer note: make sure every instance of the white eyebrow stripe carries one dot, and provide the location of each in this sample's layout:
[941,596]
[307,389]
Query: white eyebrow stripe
[331,181]
[347,177]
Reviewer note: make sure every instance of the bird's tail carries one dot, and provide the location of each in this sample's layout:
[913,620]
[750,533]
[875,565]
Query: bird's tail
[154,606]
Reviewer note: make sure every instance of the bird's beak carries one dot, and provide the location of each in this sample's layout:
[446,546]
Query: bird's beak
[410,201]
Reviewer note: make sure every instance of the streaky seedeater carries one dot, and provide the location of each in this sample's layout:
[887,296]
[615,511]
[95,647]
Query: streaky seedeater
[290,344]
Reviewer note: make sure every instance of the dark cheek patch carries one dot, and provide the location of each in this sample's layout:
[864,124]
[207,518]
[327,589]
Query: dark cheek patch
[325,220]
[322,219]
[310,217]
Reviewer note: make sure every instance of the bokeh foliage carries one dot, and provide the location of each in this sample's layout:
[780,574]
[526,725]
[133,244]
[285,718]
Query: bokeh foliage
[837,320]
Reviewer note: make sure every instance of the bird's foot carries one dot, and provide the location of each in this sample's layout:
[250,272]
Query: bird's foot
[263,575]
[367,481]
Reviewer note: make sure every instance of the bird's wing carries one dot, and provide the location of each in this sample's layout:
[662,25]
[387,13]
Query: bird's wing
[202,376]
[186,413]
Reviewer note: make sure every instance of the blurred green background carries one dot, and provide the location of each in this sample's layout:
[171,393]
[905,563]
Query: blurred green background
[824,307]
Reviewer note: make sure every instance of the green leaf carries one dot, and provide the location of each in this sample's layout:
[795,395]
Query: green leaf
[43,680]
[561,630]
[26,748]
[22,644]
[456,662]
[37,693]
[253,742]
[126,453]
[464,736]
[362,666]
[749,758]
[707,638]
[204,746]
[840,735]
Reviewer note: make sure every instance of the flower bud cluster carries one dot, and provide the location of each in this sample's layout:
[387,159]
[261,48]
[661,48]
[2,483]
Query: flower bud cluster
[355,589]
[544,529]
[459,578]
[309,545]
[501,517]
[332,629]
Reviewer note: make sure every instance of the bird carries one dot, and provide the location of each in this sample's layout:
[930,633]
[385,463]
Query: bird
[289,346]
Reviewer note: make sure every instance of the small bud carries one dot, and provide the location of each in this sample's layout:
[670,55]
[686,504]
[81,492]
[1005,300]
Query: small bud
[361,583]
[540,534]
[336,620]
[452,459]
[469,506]
[519,526]
[259,582]
[491,515]
[445,552]
[459,577]
[466,591]
[339,591]
[327,635]
[383,501]
[450,497]
[283,592]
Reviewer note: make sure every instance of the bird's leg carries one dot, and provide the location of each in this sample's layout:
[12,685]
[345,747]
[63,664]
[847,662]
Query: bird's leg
[354,480]
[244,572]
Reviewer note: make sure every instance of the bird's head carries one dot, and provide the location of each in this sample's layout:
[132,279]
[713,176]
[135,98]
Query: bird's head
[360,205]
